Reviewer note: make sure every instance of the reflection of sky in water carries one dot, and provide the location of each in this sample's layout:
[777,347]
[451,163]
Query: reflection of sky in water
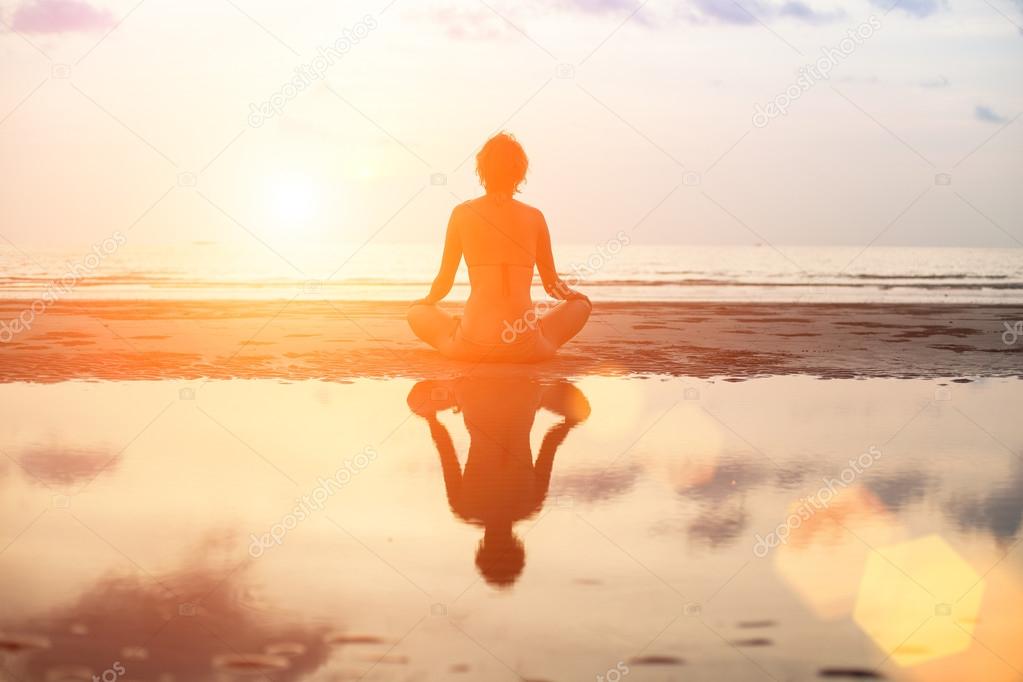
[127,517]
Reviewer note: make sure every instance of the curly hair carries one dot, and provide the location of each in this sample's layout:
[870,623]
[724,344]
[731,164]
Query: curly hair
[501,164]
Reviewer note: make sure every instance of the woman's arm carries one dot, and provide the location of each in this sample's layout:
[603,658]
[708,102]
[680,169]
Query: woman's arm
[448,262]
[426,399]
[448,462]
[545,460]
[552,284]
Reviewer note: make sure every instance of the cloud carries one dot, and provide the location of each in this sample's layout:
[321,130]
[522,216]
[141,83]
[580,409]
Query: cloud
[603,5]
[803,12]
[916,8]
[61,466]
[900,490]
[988,115]
[939,82]
[718,527]
[60,16]
[116,608]
[999,512]
[638,11]
[481,24]
[746,12]
[596,484]
[725,11]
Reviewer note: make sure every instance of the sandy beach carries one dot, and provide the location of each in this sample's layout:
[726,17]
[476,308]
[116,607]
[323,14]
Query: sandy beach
[699,431]
[771,435]
[302,339]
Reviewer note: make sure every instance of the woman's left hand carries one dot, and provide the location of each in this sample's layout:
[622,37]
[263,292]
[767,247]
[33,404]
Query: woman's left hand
[574,295]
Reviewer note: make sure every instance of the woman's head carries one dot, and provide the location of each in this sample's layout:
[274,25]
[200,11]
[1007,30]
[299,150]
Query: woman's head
[501,165]
[500,556]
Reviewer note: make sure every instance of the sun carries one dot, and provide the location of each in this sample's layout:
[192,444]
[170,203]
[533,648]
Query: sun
[294,198]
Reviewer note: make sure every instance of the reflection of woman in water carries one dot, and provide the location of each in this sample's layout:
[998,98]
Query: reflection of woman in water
[500,484]
[502,240]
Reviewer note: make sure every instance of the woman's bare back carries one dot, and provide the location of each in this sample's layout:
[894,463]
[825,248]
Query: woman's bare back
[502,241]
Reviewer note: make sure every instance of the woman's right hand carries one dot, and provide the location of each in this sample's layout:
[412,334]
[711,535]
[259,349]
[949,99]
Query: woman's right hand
[570,294]
[574,295]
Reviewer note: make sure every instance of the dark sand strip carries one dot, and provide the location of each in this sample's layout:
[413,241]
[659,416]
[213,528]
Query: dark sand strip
[128,340]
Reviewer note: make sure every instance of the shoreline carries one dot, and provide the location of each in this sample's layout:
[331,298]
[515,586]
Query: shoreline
[123,340]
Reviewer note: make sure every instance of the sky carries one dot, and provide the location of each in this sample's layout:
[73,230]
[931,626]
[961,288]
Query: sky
[685,121]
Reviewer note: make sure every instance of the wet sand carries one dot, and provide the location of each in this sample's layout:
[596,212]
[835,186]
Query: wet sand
[129,340]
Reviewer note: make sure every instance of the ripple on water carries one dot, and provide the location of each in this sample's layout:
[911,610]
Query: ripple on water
[14,643]
[754,641]
[655,659]
[137,653]
[69,673]
[250,664]
[756,624]
[345,638]
[850,673]
[286,649]
[387,659]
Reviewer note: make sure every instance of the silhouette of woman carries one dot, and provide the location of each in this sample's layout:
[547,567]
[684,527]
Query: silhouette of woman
[502,240]
[500,484]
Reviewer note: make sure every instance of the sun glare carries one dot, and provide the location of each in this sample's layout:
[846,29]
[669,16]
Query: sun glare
[294,198]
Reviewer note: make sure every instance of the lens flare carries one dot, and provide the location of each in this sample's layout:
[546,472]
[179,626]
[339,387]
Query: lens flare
[919,600]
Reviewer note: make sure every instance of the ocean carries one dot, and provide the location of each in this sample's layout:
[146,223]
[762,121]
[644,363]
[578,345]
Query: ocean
[633,272]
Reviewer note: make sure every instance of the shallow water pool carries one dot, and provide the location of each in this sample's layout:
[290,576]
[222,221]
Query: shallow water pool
[492,528]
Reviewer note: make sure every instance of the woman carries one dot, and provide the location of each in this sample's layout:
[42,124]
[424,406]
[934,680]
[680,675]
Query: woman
[500,484]
[502,240]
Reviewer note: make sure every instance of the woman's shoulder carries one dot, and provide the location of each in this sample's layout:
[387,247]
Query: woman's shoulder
[480,203]
[519,203]
[528,209]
